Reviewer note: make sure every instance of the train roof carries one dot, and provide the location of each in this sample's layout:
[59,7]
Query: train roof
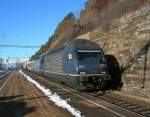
[83,45]
[79,44]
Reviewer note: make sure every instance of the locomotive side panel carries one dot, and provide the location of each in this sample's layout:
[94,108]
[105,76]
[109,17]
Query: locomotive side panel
[54,65]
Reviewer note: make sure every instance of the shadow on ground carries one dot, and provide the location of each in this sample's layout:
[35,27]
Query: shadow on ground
[9,107]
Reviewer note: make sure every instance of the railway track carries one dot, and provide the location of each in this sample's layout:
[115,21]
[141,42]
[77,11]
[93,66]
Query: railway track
[122,102]
[3,78]
[2,74]
[108,97]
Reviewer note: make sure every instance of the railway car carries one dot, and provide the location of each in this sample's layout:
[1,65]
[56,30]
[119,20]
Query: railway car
[80,64]
[30,66]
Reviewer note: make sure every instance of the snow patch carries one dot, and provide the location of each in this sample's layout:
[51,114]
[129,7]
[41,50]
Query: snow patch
[54,97]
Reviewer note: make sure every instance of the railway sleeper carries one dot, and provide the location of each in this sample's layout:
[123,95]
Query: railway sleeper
[140,109]
[146,112]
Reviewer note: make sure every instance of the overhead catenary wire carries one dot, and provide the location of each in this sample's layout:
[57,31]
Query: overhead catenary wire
[19,46]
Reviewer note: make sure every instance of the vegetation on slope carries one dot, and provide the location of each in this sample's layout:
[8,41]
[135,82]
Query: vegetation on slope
[63,32]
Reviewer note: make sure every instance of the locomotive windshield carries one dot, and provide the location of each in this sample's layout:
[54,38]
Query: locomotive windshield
[90,57]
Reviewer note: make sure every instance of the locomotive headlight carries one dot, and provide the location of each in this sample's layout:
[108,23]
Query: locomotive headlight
[82,73]
[103,68]
[103,72]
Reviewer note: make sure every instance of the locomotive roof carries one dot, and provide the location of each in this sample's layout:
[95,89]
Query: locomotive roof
[79,44]
[83,44]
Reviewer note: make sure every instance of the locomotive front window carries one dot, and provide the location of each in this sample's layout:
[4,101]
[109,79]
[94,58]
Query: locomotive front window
[90,57]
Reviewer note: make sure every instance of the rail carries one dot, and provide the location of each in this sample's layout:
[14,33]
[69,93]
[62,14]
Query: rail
[122,102]
[108,97]
[3,74]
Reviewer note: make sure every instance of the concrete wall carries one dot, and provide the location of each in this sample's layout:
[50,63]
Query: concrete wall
[128,39]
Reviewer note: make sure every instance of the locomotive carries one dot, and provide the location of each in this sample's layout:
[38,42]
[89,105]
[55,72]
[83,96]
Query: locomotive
[80,64]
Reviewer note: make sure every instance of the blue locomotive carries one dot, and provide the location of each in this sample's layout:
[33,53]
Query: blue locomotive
[80,64]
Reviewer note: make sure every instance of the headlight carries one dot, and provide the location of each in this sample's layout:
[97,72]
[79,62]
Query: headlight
[104,68]
[82,73]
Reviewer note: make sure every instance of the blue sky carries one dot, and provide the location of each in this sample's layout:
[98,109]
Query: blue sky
[31,22]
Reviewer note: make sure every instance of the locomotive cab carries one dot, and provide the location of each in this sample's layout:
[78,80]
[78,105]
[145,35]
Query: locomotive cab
[91,62]
[86,65]
[92,68]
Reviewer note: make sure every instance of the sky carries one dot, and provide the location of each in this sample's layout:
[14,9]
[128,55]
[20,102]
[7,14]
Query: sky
[31,22]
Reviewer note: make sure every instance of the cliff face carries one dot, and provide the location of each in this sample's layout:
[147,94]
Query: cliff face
[126,36]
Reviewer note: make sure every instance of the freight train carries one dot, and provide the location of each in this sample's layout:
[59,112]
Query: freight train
[80,64]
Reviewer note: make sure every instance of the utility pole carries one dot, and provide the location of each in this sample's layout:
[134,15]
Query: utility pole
[1,63]
[7,60]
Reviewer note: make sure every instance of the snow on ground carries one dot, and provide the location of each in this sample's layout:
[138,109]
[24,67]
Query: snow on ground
[54,97]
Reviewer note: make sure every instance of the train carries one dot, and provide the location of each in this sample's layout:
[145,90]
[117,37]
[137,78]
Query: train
[80,64]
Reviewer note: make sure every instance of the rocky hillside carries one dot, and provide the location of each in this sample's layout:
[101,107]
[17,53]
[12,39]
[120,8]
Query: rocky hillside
[97,13]
[123,31]
[62,34]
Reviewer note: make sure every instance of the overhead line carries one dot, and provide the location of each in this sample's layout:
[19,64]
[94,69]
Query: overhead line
[18,57]
[20,46]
